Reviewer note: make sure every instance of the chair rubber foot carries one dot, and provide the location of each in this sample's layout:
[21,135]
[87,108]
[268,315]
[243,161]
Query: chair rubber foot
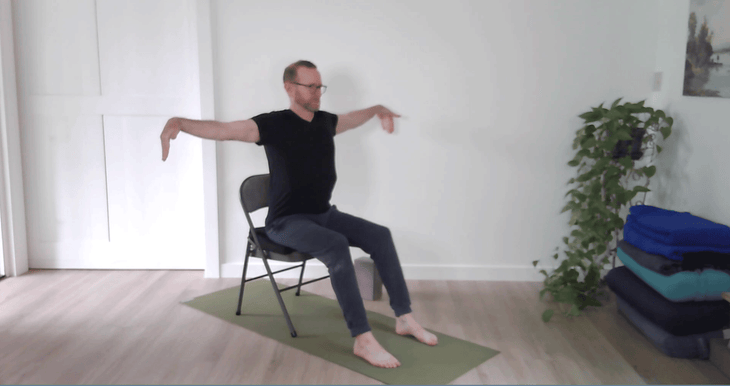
[297,294]
[238,313]
[293,334]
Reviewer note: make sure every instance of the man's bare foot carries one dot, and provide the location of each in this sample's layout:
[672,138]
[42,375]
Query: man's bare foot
[369,349]
[406,325]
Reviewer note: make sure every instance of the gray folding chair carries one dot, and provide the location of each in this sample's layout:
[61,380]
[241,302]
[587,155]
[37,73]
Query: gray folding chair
[254,194]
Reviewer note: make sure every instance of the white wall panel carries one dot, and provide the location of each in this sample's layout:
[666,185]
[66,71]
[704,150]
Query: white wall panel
[59,55]
[99,79]
[69,202]
[148,52]
[155,211]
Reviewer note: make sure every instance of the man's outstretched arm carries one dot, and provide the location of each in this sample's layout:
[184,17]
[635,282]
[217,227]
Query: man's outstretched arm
[246,131]
[357,118]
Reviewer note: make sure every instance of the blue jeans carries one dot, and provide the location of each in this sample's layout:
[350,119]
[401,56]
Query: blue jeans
[327,237]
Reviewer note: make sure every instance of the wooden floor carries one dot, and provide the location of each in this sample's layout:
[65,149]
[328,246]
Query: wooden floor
[125,327]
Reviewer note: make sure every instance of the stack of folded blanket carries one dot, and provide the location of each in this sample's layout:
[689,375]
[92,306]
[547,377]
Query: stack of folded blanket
[676,267]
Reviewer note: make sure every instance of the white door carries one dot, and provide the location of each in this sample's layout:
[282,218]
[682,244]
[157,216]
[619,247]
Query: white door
[97,81]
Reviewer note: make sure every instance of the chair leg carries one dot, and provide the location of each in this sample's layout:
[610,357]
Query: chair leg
[278,297]
[301,275]
[243,278]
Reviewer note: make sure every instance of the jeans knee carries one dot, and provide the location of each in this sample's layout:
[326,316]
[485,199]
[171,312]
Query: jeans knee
[383,233]
[337,254]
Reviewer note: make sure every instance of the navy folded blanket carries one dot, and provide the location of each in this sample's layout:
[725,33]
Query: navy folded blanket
[638,237]
[675,228]
[677,318]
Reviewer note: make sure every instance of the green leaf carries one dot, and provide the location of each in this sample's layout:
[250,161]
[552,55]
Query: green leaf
[592,277]
[670,121]
[591,116]
[649,170]
[659,149]
[666,131]
[574,311]
[582,153]
[565,240]
[566,295]
[568,207]
[534,263]
[585,177]
[572,275]
[615,103]
[547,315]
[640,188]
[542,271]
[601,164]
[588,143]
[609,143]
[624,135]
[563,266]
[589,301]
[555,256]
[630,195]
[574,163]
[626,162]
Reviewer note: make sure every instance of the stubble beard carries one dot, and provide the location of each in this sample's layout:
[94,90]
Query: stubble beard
[310,105]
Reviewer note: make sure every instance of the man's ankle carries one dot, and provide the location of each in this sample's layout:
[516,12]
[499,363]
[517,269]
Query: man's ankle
[367,335]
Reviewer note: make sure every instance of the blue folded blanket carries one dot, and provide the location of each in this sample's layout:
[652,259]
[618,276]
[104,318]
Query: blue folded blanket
[675,228]
[673,234]
[675,252]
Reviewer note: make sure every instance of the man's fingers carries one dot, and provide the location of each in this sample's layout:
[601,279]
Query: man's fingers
[165,149]
[388,124]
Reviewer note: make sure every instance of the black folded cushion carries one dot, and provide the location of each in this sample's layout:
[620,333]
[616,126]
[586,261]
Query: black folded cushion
[677,318]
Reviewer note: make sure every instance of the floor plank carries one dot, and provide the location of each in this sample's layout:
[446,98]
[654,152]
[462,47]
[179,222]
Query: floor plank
[128,327]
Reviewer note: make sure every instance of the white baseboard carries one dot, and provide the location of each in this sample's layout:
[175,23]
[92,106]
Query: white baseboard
[316,269]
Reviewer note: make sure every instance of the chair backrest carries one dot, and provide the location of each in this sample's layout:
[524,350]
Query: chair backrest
[254,193]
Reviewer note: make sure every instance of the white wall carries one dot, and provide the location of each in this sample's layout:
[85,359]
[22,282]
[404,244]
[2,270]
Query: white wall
[472,182]
[693,172]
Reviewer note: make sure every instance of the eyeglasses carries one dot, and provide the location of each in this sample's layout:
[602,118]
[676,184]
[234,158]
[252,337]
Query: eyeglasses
[312,87]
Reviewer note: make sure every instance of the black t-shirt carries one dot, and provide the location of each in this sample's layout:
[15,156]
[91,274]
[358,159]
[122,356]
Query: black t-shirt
[301,159]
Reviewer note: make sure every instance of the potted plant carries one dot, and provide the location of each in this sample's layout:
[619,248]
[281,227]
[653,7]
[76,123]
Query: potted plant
[609,143]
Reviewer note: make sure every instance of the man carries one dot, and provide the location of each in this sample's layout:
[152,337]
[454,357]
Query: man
[299,146]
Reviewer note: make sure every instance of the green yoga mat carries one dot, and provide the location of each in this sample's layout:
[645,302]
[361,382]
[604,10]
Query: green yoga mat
[321,331]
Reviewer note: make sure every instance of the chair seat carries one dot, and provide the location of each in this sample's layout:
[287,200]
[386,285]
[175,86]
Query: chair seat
[269,245]
[278,251]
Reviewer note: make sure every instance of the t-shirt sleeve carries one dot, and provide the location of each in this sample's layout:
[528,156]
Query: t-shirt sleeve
[264,122]
[331,122]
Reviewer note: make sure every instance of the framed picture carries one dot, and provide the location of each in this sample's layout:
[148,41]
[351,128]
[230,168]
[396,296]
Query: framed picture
[707,63]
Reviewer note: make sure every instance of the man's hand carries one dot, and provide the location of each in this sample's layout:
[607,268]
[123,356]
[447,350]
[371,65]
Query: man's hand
[172,128]
[386,118]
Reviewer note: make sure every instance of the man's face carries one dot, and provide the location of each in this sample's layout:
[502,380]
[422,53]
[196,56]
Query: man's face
[303,95]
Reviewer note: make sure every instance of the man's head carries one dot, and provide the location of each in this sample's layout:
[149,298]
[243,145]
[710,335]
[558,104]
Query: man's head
[299,77]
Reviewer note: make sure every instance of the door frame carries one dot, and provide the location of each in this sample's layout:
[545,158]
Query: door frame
[210,168]
[12,202]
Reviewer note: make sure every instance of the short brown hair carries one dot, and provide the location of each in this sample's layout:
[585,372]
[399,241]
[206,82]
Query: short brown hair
[290,73]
